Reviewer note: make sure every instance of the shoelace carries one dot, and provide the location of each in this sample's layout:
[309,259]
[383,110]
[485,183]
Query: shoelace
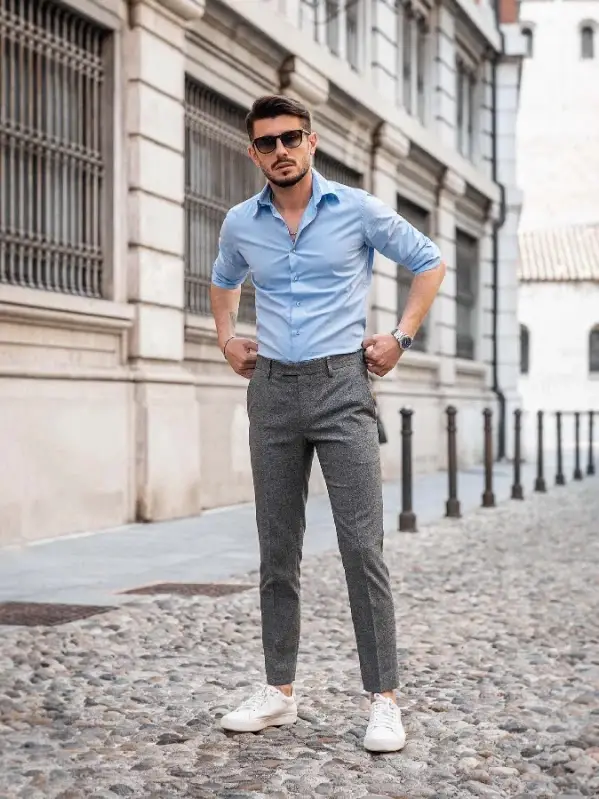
[384,714]
[257,699]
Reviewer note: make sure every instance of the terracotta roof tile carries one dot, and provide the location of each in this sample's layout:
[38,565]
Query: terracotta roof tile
[560,254]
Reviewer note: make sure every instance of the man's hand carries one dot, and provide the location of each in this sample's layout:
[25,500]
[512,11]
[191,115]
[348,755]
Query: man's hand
[241,354]
[382,353]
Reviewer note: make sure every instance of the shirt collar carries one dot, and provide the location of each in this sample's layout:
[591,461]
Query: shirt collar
[321,187]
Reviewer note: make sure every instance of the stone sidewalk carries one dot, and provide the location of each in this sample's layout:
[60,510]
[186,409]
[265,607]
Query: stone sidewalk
[498,625]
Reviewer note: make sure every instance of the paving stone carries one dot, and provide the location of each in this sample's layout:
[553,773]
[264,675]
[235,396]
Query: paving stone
[498,657]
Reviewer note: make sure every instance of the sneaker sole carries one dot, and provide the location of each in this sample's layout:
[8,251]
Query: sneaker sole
[259,724]
[382,748]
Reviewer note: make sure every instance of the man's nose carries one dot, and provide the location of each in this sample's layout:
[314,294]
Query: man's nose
[281,150]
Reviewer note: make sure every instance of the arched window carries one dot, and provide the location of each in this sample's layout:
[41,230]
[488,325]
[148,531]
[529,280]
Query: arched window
[587,42]
[527,33]
[524,350]
[594,350]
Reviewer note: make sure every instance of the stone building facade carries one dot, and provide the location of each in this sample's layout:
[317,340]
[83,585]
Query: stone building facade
[558,171]
[122,146]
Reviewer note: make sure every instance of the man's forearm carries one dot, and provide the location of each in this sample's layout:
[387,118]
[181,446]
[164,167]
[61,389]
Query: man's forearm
[225,307]
[423,291]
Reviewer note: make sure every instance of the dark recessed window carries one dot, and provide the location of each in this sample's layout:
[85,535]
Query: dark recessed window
[524,350]
[587,42]
[594,350]
[527,33]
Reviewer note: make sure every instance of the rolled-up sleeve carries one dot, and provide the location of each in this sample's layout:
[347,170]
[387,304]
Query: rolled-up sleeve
[395,238]
[229,269]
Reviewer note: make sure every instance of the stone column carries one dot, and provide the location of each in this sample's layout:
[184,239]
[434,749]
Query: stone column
[166,417]
[385,48]
[444,330]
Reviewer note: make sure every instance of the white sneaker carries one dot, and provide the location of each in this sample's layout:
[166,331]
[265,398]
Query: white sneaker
[268,707]
[385,731]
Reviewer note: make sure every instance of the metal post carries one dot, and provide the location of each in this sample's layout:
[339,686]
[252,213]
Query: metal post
[560,478]
[407,517]
[488,496]
[453,503]
[577,469]
[591,463]
[517,491]
[540,481]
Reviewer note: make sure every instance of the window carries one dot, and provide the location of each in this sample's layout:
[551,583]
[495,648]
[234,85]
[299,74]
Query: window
[420,218]
[524,350]
[421,50]
[465,109]
[52,148]
[587,42]
[408,24]
[332,169]
[594,350]
[331,9]
[466,283]
[527,33]
[334,24]
[351,33]
[218,175]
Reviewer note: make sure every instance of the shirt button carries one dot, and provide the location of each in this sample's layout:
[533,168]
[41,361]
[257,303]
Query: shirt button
[296,278]
[298,303]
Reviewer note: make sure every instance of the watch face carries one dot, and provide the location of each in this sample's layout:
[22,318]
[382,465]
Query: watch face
[406,342]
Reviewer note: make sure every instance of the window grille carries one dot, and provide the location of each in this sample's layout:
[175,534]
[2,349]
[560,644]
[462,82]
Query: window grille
[334,170]
[466,282]
[218,175]
[52,148]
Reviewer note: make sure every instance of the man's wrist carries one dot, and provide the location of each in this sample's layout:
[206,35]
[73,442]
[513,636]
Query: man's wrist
[224,346]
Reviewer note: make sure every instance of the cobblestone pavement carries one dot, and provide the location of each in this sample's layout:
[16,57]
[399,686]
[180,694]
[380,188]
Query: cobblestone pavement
[498,621]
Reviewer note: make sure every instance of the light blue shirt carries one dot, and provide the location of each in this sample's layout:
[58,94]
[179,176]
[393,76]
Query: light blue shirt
[311,293]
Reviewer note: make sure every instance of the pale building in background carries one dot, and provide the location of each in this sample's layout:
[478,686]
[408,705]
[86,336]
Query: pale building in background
[122,144]
[558,172]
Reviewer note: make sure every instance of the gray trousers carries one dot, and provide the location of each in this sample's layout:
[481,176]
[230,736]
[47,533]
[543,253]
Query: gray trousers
[327,405]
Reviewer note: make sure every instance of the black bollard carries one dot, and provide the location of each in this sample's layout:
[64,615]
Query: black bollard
[517,490]
[560,479]
[407,517]
[577,469]
[591,463]
[540,481]
[488,496]
[453,503]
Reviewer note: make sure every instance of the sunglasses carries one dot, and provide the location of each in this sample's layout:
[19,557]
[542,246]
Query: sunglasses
[290,140]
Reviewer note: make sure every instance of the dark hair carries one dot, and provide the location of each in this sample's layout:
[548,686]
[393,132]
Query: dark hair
[276,105]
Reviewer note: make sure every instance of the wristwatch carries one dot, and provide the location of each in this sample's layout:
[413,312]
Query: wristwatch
[404,341]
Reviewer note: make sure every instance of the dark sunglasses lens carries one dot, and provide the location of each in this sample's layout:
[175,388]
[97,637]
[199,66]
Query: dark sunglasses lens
[291,139]
[265,144]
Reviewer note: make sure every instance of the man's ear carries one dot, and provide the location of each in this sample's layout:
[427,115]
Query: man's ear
[252,155]
[313,139]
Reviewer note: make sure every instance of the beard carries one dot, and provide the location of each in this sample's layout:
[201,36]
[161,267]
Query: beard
[292,180]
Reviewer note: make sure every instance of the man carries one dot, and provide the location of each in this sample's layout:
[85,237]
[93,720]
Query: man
[309,244]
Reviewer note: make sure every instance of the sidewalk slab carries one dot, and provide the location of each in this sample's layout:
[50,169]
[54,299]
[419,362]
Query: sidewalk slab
[95,568]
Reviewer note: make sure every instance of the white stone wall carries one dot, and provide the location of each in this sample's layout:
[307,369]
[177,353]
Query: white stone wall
[558,124]
[123,408]
[559,317]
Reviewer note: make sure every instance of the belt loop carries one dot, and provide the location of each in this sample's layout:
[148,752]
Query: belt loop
[269,367]
[329,367]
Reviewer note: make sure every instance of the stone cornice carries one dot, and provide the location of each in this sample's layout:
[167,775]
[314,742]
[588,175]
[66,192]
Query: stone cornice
[453,183]
[185,10]
[392,141]
[303,82]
